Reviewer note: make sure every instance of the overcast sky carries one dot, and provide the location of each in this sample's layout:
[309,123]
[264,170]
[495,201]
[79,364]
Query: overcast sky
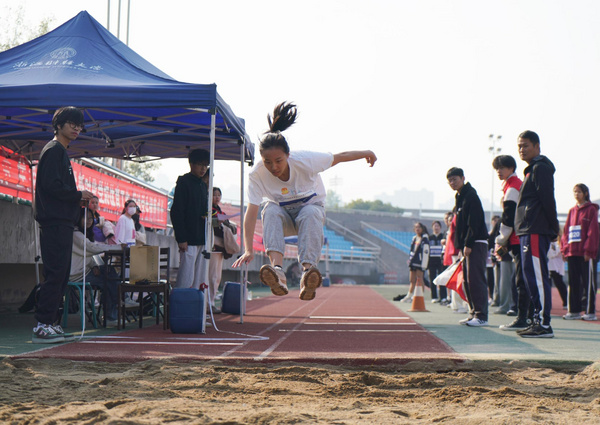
[421,83]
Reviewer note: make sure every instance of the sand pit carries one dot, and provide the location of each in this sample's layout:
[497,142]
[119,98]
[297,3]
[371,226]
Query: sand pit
[154,392]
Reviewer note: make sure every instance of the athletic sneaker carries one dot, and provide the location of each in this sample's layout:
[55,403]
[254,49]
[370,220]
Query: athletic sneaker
[435,300]
[573,316]
[274,278]
[310,281]
[407,299]
[516,325]
[477,322]
[511,313]
[45,334]
[591,316]
[399,297]
[537,331]
[66,335]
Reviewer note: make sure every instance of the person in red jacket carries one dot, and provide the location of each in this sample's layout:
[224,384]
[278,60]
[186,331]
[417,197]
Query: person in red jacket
[579,245]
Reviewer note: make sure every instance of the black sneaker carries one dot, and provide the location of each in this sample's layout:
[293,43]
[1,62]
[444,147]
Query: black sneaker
[516,325]
[537,331]
[399,297]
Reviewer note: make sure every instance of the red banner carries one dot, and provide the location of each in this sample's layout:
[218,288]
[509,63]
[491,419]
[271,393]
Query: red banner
[15,180]
[15,175]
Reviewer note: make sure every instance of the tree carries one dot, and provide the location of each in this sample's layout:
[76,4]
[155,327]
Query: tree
[332,200]
[14,31]
[141,170]
[377,205]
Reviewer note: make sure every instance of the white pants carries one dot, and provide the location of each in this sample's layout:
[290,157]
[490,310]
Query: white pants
[305,221]
[192,268]
[215,271]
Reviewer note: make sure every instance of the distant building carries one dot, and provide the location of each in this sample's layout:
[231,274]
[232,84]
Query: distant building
[405,198]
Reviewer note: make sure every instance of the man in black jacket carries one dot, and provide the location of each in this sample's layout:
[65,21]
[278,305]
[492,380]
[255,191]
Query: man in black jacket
[57,206]
[188,216]
[536,225]
[470,238]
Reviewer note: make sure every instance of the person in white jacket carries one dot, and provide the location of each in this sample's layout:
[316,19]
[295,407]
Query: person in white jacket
[102,277]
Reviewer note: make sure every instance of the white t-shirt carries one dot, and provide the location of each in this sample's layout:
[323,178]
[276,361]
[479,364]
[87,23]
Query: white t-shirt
[304,186]
[125,230]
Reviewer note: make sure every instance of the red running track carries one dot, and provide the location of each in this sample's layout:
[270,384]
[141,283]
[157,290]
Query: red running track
[345,325]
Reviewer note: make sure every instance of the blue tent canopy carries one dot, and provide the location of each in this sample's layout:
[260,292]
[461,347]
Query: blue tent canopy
[131,108]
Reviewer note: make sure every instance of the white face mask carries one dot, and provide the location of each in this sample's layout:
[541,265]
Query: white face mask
[131,210]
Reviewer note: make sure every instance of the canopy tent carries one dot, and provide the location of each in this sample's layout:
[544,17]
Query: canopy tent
[132,109]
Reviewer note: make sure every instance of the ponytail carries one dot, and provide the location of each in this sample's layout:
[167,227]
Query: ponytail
[284,116]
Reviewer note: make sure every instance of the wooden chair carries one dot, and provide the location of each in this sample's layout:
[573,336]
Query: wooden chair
[158,294]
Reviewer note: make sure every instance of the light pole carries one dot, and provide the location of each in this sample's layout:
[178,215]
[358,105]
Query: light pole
[494,151]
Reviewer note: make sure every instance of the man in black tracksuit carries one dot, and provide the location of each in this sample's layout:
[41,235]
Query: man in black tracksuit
[188,216]
[471,237]
[536,225]
[57,207]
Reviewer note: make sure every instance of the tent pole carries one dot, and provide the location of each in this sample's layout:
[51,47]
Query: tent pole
[242,277]
[36,255]
[128,11]
[208,243]
[108,16]
[119,21]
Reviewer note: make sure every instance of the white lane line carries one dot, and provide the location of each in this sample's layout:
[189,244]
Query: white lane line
[361,323]
[274,325]
[359,317]
[354,330]
[160,343]
[277,343]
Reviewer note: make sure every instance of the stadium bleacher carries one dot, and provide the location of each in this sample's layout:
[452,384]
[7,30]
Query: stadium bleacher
[400,240]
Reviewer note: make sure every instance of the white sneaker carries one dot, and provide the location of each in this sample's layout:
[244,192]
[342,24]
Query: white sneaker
[573,316]
[274,278]
[464,321]
[477,322]
[406,299]
[130,303]
[591,316]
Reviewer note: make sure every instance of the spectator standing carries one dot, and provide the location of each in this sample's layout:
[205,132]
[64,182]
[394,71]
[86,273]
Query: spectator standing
[435,266]
[188,215]
[125,229]
[418,259]
[579,245]
[493,264]
[508,242]
[471,239]
[295,194]
[536,225]
[56,207]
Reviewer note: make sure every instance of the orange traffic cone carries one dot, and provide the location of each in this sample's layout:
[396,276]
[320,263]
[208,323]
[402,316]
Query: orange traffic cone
[418,301]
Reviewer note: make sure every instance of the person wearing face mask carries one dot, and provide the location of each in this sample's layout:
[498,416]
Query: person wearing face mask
[125,230]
